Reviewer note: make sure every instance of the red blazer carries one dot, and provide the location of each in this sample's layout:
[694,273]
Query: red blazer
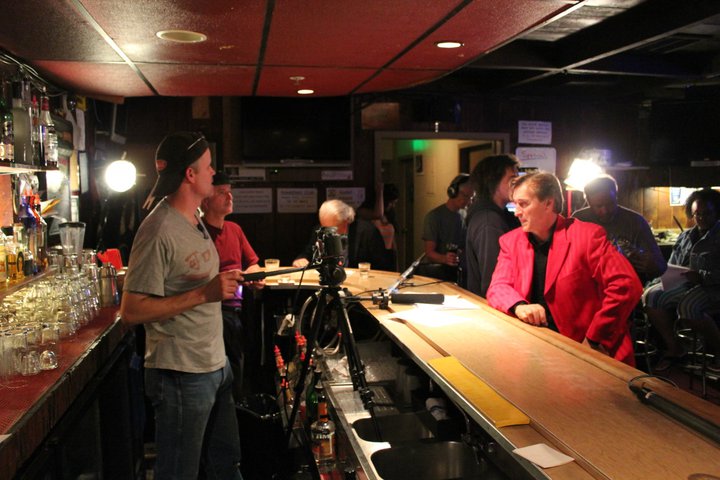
[590,288]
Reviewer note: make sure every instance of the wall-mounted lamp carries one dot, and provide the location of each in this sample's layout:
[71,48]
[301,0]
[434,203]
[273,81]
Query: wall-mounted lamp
[120,175]
[581,172]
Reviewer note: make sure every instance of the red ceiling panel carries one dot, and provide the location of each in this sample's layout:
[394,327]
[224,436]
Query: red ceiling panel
[396,79]
[481,26]
[275,81]
[112,80]
[50,30]
[348,33]
[199,80]
[233,29]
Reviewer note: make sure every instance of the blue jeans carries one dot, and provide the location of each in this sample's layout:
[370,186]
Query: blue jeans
[194,421]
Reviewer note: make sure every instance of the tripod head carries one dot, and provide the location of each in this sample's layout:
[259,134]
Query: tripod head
[329,253]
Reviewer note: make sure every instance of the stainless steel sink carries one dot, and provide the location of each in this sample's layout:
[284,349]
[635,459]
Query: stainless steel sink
[403,427]
[430,461]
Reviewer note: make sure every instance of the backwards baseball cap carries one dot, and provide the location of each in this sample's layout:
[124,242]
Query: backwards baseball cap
[174,155]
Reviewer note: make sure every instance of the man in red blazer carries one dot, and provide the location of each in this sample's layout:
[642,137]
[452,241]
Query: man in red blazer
[563,273]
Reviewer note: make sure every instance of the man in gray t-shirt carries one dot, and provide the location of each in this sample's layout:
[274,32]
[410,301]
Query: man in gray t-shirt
[174,289]
[444,230]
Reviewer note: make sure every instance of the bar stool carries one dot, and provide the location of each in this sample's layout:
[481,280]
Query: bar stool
[640,333]
[699,355]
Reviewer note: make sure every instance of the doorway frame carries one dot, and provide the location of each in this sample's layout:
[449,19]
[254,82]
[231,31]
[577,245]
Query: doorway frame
[393,135]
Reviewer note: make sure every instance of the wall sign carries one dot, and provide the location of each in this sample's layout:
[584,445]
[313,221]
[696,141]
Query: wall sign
[535,132]
[252,200]
[353,196]
[297,200]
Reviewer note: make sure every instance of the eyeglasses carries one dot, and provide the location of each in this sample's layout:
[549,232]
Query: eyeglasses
[200,138]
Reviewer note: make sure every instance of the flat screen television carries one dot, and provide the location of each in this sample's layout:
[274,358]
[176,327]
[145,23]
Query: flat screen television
[296,131]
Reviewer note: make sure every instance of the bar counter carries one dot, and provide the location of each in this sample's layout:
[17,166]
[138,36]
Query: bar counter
[30,407]
[577,399]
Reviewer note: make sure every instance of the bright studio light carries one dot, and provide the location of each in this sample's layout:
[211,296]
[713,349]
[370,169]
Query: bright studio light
[120,176]
[581,172]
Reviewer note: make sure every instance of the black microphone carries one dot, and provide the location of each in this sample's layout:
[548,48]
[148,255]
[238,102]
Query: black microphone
[406,298]
[677,413]
[251,277]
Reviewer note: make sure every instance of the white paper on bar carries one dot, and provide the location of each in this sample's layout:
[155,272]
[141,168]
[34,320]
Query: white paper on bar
[429,318]
[451,302]
[673,276]
[543,455]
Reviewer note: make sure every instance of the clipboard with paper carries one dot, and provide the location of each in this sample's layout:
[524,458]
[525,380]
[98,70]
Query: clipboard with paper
[673,277]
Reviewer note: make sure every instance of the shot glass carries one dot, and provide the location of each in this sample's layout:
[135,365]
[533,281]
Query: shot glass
[364,268]
[272,264]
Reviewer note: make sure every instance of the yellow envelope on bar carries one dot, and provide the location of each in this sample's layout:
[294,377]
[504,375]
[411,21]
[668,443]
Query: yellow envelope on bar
[498,410]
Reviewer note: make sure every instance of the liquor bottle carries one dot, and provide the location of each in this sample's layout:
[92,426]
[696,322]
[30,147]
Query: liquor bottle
[21,127]
[322,435]
[311,395]
[7,142]
[41,234]
[48,135]
[35,134]
[3,261]
[30,224]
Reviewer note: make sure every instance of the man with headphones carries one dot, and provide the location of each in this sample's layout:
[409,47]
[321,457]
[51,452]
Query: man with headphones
[444,230]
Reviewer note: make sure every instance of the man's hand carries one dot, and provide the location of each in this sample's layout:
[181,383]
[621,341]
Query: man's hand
[257,284]
[451,258]
[532,313]
[223,286]
[300,262]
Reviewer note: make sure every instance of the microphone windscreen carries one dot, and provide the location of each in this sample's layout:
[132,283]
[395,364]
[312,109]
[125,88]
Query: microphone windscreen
[433,298]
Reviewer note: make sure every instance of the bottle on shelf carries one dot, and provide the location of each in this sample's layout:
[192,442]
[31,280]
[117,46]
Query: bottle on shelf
[311,395]
[22,128]
[7,142]
[41,235]
[3,260]
[29,220]
[322,435]
[35,133]
[48,135]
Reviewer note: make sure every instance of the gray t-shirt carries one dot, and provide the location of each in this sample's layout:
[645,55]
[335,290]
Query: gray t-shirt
[171,256]
[443,226]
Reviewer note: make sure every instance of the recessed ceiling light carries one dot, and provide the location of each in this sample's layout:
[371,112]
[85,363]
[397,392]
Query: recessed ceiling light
[448,44]
[181,36]
[305,91]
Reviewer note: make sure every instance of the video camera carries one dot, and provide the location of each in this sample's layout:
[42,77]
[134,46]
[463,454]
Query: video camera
[330,252]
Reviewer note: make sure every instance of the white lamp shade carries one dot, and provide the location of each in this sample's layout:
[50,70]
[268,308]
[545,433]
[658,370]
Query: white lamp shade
[120,176]
[581,172]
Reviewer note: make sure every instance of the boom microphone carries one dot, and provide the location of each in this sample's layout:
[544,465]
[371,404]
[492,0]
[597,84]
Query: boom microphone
[405,298]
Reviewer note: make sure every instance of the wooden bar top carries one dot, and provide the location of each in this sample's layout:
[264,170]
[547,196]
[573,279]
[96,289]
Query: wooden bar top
[578,400]
[31,406]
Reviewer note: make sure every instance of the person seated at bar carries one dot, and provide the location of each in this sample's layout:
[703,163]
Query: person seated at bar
[365,244]
[444,233]
[488,218]
[380,210]
[564,274]
[697,248]
[235,253]
[625,229]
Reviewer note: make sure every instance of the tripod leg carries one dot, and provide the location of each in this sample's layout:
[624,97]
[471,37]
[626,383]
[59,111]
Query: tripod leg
[355,365]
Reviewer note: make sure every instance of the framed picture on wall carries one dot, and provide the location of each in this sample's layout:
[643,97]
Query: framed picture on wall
[419,168]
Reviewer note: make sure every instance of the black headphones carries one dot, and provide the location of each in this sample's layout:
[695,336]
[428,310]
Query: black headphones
[454,188]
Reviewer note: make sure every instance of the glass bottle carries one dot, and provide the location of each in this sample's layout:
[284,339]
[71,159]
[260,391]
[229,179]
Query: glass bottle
[41,235]
[311,395]
[7,142]
[3,260]
[21,127]
[48,135]
[35,134]
[322,435]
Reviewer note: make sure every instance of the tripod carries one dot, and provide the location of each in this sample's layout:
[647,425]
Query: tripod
[331,298]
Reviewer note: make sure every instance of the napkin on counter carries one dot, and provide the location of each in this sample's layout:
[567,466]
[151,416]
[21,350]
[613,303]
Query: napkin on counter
[543,455]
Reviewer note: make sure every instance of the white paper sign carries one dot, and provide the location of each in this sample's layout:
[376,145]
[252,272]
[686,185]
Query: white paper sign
[543,158]
[297,200]
[353,196]
[252,200]
[534,132]
[336,175]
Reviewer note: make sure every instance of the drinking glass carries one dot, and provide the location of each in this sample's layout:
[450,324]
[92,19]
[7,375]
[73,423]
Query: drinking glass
[272,264]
